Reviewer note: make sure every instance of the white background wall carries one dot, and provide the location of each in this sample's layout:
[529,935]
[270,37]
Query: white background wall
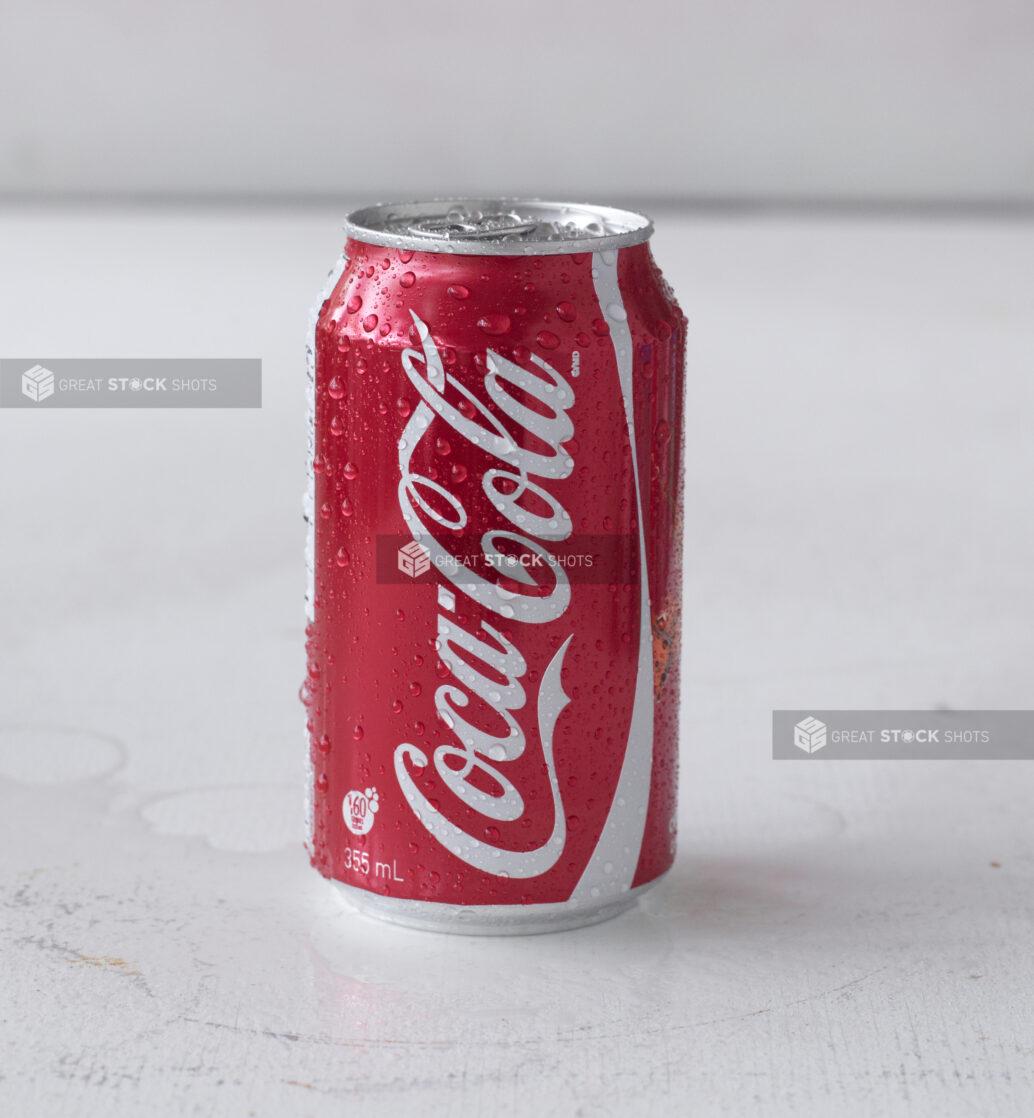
[802,99]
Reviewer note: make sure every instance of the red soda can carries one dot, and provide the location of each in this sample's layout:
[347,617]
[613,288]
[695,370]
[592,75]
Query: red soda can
[494,552]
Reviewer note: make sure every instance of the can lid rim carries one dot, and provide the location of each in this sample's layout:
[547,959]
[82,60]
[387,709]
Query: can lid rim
[423,226]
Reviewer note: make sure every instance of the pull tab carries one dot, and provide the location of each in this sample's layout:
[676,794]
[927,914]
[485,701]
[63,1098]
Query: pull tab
[445,229]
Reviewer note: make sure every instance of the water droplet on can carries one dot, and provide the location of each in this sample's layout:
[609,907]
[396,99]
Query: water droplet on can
[495,324]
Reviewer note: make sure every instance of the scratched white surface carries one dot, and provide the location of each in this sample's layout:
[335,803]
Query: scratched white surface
[836,939]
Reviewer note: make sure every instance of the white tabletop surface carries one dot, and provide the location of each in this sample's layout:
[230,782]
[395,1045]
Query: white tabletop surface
[837,939]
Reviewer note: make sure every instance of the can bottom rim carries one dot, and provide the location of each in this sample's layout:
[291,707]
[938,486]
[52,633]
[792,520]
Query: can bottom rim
[489,920]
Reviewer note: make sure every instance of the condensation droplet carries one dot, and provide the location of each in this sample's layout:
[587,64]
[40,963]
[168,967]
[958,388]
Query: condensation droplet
[617,312]
[495,324]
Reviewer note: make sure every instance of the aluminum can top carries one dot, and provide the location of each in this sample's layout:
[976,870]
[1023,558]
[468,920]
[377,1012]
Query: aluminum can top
[497,226]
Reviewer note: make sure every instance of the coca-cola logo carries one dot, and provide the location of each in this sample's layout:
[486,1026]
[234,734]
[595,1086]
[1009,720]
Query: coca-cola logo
[516,485]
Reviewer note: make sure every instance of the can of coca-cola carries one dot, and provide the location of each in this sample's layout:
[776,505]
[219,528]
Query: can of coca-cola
[494,555]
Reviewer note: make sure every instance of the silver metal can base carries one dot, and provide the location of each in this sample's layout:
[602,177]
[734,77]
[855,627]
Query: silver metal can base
[489,920]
